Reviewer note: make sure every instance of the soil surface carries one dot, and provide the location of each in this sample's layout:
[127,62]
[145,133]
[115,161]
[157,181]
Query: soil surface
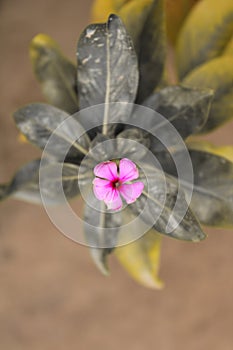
[51,295]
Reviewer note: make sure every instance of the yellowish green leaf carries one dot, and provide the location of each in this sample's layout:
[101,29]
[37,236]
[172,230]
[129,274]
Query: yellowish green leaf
[55,72]
[141,259]
[204,34]
[217,75]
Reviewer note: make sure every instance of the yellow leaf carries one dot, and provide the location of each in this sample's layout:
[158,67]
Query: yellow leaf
[216,74]
[176,12]
[101,9]
[141,259]
[205,34]
[200,145]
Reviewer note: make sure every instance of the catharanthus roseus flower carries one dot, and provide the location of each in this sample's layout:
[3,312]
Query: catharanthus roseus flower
[112,183]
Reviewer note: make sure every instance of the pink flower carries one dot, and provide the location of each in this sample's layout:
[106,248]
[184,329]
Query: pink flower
[111,183]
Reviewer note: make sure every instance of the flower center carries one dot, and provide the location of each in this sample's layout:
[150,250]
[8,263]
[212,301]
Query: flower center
[116,183]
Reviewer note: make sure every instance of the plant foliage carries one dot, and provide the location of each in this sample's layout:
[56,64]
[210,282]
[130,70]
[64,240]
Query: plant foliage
[123,60]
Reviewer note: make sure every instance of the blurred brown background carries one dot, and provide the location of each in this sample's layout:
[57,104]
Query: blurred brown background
[51,295]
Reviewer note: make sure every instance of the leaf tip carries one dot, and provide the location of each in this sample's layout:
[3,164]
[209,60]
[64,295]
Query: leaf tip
[201,236]
[153,283]
[3,191]
[99,257]
[113,18]
[38,44]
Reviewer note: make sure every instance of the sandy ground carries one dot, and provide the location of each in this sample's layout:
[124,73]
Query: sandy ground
[51,295]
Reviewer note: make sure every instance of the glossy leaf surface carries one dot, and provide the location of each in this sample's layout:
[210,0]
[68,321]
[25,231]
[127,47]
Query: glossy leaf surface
[212,200]
[187,109]
[107,69]
[161,198]
[101,231]
[39,121]
[213,192]
[59,182]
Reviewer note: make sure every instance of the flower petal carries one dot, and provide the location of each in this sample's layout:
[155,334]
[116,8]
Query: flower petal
[101,188]
[127,170]
[131,192]
[106,170]
[113,200]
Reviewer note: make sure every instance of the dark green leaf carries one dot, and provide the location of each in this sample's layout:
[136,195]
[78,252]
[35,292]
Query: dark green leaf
[24,185]
[187,109]
[30,180]
[101,231]
[133,143]
[107,69]
[55,72]
[213,192]
[59,182]
[39,121]
[161,199]
[212,200]
[152,51]
[216,74]
[3,191]
[102,148]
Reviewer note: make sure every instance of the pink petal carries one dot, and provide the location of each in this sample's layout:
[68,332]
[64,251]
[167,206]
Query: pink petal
[131,192]
[127,170]
[101,188]
[113,200]
[106,170]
